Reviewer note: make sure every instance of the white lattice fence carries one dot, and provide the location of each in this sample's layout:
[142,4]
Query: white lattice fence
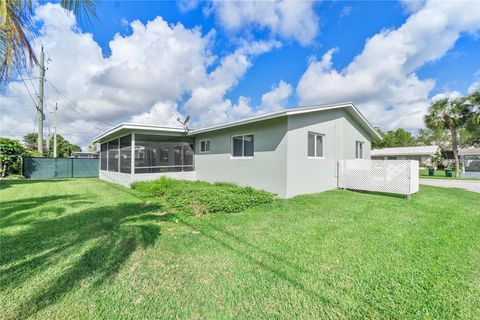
[389,176]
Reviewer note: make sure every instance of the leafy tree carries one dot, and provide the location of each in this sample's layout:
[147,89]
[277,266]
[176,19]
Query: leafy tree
[471,134]
[394,138]
[11,152]
[17,30]
[448,114]
[64,147]
[438,137]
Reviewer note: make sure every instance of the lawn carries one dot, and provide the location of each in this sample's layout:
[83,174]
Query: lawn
[440,174]
[87,249]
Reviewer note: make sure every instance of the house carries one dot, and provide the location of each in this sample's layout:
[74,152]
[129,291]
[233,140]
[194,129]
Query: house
[85,154]
[423,154]
[470,160]
[288,152]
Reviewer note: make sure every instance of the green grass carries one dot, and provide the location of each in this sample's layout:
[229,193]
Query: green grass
[87,249]
[440,174]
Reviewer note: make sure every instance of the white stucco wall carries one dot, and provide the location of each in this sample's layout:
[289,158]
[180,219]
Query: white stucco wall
[265,170]
[307,175]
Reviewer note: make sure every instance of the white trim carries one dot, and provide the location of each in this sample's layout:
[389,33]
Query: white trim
[200,146]
[285,112]
[315,134]
[362,143]
[243,146]
[133,126]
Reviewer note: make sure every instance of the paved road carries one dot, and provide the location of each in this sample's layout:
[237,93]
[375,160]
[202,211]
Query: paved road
[470,185]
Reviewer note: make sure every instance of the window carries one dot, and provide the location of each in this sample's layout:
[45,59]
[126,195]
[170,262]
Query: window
[243,146]
[359,150]
[315,145]
[204,146]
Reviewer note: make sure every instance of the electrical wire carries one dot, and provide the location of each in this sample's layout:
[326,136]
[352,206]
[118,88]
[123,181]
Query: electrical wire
[76,106]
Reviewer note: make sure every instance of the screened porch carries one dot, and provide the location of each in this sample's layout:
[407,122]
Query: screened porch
[152,154]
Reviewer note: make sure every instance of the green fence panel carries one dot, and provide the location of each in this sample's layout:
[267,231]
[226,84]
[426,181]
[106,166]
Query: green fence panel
[85,168]
[59,168]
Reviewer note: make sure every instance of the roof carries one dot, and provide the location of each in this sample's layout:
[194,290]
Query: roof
[402,151]
[353,111]
[469,151]
[134,126]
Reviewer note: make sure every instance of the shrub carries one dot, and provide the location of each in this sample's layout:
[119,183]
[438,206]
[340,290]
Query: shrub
[202,197]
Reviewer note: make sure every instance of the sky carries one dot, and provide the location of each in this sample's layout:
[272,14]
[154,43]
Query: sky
[152,62]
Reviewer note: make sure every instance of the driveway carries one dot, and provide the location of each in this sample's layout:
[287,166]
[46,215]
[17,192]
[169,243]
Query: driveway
[469,185]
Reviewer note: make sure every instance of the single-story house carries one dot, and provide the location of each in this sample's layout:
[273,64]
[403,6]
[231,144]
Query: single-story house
[423,154]
[470,160]
[287,152]
[85,154]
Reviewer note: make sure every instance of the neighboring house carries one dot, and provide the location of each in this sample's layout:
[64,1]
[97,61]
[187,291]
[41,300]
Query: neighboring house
[288,152]
[470,159]
[85,154]
[423,154]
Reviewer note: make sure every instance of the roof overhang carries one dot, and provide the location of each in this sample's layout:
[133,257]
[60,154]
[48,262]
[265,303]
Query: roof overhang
[126,128]
[351,109]
[405,151]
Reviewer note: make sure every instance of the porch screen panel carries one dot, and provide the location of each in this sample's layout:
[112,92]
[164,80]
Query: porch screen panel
[113,154]
[126,154]
[103,156]
[154,154]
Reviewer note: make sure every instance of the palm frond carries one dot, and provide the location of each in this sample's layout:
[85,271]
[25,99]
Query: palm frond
[81,8]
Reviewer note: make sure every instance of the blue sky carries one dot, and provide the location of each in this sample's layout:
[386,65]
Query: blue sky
[152,61]
[344,24]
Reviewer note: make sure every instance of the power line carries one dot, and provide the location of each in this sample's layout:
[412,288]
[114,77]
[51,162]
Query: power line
[28,90]
[76,106]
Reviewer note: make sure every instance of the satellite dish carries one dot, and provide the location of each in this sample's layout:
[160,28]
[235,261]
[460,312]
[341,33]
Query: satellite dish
[184,122]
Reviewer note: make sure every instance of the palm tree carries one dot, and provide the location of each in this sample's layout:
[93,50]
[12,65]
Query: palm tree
[17,32]
[448,114]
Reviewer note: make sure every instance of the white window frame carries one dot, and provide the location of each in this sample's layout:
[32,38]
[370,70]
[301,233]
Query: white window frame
[315,134]
[362,156]
[205,141]
[243,146]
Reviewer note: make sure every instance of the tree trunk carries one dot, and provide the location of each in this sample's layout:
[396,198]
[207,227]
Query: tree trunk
[455,151]
[3,169]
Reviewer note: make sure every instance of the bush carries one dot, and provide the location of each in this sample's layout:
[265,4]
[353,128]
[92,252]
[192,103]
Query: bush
[202,197]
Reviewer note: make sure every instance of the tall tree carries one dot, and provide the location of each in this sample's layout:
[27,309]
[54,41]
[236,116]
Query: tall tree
[394,138]
[11,152]
[472,115]
[17,32]
[448,114]
[437,137]
[64,147]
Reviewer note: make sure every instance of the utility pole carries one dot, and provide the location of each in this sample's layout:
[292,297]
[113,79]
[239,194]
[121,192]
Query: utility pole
[40,103]
[55,133]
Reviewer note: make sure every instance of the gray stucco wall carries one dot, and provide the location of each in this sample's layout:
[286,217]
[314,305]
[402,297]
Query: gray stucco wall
[312,175]
[266,170]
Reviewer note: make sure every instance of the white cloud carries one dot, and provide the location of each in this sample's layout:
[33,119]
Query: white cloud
[412,6]
[148,76]
[381,80]
[474,87]
[277,98]
[345,11]
[449,95]
[291,20]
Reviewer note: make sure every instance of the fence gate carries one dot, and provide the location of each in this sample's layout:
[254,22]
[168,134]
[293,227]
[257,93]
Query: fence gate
[58,168]
[389,176]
